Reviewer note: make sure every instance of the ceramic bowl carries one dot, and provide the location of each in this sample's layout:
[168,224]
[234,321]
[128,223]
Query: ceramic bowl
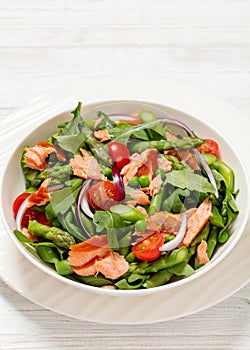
[12,183]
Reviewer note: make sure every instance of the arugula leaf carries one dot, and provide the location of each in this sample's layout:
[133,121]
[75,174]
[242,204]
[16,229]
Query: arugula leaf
[73,126]
[111,222]
[106,122]
[186,179]
[70,143]
[62,200]
[124,137]
[174,203]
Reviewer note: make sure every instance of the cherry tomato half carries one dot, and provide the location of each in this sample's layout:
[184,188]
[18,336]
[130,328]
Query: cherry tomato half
[102,195]
[119,154]
[18,202]
[210,146]
[148,249]
[31,214]
[28,215]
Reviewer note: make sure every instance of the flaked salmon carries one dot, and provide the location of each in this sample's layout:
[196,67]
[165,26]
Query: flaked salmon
[102,135]
[201,253]
[167,222]
[112,266]
[94,255]
[197,222]
[31,237]
[141,164]
[185,156]
[164,164]
[41,196]
[154,186]
[86,167]
[36,157]
[82,253]
[86,270]
[140,197]
[108,286]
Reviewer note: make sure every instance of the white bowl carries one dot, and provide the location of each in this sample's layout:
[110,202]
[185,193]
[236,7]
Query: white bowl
[12,184]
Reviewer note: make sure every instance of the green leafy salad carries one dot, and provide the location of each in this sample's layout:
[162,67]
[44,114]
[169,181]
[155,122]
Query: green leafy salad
[124,202]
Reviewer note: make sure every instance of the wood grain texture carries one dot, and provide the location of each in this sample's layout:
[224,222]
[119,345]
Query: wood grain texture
[46,43]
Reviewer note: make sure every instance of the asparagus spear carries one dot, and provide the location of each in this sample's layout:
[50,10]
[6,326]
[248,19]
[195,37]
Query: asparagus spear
[163,145]
[156,202]
[158,279]
[55,234]
[59,172]
[95,146]
[177,256]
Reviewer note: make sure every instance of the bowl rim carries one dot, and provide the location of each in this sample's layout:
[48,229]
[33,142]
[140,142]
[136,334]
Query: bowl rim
[138,292]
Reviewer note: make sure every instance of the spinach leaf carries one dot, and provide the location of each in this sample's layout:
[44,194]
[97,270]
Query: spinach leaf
[111,223]
[186,179]
[62,200]
[216,219]
[70,143]
[124,137]
[174,203]
[106,122]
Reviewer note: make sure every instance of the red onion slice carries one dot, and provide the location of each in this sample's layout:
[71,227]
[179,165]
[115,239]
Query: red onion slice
[179,237]
[20,213]
[118,181]
[82,201]
[55,188]
[82,204]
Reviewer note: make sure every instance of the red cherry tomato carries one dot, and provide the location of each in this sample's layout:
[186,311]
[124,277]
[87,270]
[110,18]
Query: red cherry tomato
[18,202]
[28,215]
[148,249]
[31,214]
[103,195]
[119,154]
[43,220]
[210,146]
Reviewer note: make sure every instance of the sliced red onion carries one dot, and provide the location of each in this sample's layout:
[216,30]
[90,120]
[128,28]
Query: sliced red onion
[207,169]
[82,204]
[195,151]
[118,181]
[179,237]
[55,187]
[82,201]
[20,213]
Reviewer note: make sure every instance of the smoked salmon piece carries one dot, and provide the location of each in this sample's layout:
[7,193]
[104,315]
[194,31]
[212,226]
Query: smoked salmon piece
[201,253]
[102,135]
[141,164]
[94,255]
[164,164]
[31,237]
[112,266]
[197,222]
[36,157]
[86,270]
[86,167]
[186,156]
[140,197]
[82,253]
[167,222]
[41,196]
[154,186]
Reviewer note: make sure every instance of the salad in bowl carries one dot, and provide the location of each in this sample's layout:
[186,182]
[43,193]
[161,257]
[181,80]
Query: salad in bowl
[125,202]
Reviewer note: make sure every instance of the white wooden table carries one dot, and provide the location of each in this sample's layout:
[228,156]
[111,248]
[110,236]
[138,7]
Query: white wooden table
[45,43]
